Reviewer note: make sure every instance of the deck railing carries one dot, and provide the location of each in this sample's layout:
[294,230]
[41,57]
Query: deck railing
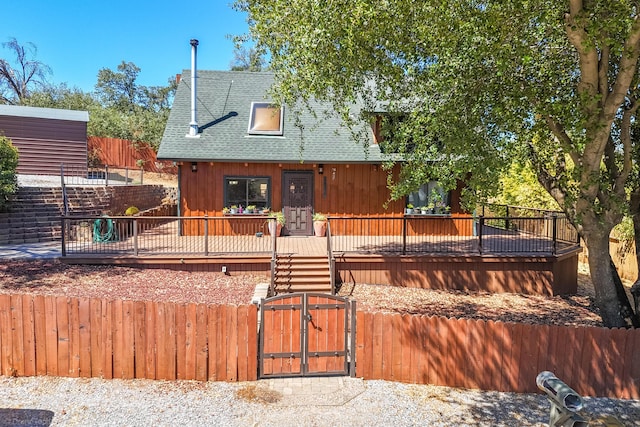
[166,235]
[444,234]
[248,234]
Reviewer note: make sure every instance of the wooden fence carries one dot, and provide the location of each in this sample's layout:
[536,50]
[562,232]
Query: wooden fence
[121,153]
[495,355]
[86,337]
[83,337]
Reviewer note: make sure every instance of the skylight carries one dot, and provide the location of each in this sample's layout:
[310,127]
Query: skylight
[266,119]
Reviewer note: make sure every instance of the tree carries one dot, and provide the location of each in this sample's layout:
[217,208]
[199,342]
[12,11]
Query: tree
[479,83]
[129,110]
[247,60]
[8,166]
[26,72]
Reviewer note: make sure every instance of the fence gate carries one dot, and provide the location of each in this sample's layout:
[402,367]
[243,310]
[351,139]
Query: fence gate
[306,334]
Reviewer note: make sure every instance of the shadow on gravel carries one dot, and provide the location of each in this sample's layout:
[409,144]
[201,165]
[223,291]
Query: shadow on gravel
[25,417]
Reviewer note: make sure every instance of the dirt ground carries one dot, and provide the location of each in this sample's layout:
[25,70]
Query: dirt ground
[55,278]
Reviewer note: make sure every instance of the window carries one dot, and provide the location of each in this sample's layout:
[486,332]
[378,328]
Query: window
[247,191]
[429,194]
[266,119]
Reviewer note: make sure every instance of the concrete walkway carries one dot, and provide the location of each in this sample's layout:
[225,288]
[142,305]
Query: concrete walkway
[31,251]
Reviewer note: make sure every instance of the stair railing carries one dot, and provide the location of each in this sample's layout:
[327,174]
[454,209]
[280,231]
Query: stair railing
[274,254]
[332,260]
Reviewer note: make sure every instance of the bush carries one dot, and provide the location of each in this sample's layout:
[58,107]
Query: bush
[8,166]
[131,210]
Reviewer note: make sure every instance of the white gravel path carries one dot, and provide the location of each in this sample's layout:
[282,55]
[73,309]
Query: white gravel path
[43,401]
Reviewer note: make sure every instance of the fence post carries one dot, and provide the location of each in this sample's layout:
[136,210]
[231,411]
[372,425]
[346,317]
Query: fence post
[506,218]
[404,235]
[554,231]
[206,235]
[135,236]
[63,220]
[480,227]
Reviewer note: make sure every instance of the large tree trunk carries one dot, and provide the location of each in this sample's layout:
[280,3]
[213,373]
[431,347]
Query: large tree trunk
[614,307]
[635,211]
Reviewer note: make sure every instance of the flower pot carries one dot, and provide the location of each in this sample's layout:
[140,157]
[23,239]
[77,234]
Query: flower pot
[320,228]
[409,211]
[275,228]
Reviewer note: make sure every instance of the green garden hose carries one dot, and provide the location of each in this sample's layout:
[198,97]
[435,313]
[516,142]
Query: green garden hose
[104,230]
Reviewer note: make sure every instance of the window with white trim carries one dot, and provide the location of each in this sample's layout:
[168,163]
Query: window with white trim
[266,119]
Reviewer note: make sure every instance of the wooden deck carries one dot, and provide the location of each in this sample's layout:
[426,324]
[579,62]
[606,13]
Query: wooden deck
[165,241]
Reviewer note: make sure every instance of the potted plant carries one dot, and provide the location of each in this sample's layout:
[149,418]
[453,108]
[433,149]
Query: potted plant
[250,209]
[319,224]
[424,210]
[275,225]
[409,209]
[265,210]
[233,209]
[225,210]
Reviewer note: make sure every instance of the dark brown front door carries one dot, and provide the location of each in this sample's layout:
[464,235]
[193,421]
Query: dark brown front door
[297,197]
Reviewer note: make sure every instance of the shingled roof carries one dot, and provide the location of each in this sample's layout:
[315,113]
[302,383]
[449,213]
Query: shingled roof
[224,105]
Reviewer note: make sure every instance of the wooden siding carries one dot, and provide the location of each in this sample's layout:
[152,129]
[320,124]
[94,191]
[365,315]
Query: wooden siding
[341,190]
[509,274]
[87,337]
[43,144]
[497,356]
[121,153]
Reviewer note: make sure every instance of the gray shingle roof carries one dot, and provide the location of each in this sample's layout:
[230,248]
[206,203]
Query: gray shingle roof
[224,103]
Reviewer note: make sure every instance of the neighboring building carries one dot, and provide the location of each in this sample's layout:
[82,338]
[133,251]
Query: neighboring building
[248,152]
[46,137]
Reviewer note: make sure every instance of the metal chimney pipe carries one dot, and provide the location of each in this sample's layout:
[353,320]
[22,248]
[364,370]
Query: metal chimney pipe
[193,125]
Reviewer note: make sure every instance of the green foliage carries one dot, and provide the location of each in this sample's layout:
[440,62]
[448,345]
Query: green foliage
[478,84]
[520,187]
[317,216]
[8,166]
[131,210]
[247,59]
[279,216]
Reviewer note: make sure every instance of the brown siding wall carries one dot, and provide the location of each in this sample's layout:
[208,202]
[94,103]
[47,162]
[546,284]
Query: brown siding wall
[45,143]
[533,276]
[341,190]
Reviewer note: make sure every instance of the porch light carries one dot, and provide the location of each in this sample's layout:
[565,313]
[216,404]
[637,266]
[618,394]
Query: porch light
[194,167]
[320,168]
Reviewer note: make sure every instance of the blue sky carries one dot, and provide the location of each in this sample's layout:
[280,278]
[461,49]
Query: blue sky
[76,38]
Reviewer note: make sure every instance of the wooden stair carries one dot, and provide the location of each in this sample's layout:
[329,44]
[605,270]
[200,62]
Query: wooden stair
[302,273]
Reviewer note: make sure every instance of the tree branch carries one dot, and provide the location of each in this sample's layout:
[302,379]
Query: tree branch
[564,139]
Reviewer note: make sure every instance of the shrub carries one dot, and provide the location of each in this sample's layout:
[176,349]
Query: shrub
[8,166]
[131,210]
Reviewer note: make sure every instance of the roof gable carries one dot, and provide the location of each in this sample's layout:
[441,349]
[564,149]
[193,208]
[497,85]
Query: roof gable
[224,101]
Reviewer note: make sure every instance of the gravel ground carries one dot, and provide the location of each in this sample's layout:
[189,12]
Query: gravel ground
[79,402]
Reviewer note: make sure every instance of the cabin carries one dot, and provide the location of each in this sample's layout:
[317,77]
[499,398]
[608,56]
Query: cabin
[250,153]
[46,138]
[241,157]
